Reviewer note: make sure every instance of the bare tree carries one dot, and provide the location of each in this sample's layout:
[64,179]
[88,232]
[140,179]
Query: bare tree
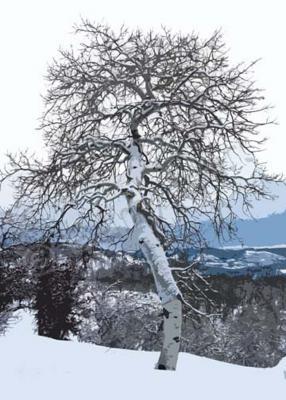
[161,120]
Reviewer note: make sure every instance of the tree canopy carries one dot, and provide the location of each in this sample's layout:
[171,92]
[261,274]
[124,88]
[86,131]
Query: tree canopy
[195,116]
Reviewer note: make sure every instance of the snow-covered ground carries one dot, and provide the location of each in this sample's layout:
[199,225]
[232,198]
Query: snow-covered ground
[34,367]
[252,262]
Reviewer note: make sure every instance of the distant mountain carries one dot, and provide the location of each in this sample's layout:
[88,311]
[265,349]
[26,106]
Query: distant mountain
[267,231]
[263,232]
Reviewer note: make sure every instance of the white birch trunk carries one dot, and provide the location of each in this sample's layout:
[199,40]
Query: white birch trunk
[155,255]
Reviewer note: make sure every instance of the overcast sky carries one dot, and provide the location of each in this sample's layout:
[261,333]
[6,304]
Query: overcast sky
[31,32]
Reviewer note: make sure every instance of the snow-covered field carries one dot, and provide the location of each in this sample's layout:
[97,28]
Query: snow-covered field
[34,367]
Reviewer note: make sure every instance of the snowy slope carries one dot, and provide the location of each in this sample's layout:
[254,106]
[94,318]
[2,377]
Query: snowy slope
[39,368]
[243,262]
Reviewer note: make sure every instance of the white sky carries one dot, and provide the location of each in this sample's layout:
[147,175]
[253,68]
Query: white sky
[31,32]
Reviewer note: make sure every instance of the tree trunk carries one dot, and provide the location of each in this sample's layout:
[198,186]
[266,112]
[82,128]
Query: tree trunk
[154,253]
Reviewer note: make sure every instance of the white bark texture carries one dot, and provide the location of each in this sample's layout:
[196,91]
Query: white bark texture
[155,255]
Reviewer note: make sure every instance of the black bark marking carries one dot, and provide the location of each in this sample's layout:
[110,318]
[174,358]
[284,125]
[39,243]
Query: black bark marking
[161,366]
[141,241]
[176,339]
[135,136]
[166,313]
[179,297]
[175,316]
